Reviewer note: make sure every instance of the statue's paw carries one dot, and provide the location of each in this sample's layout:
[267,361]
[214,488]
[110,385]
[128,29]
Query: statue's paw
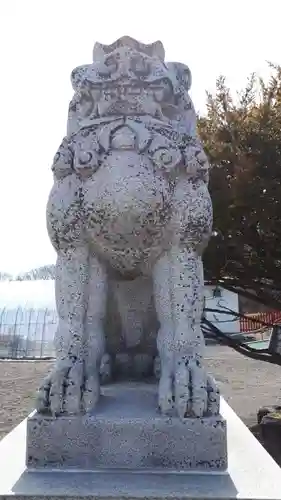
[42,397]
[196,393]
[66,389]
[51,393]
[213,396]
[74,382]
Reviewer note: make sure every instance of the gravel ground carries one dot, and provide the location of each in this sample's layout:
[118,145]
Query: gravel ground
[18,383]
[246,385]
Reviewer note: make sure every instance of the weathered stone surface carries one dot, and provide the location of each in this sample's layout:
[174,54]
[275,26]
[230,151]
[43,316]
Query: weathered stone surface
[130,201]
[125,431]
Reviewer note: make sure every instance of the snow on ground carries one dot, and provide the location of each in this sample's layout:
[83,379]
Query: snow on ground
[37,294]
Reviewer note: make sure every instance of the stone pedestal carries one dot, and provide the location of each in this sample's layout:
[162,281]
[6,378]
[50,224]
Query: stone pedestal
[251,475]
[126,431]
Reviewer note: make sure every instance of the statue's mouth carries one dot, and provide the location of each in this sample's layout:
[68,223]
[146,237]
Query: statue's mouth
[161,89]
[127,97]
[129,107]
[134,89]
[134,98]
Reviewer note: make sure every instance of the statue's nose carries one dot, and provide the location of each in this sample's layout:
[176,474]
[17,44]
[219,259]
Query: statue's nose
[133,64]
[138,65]
[124,67]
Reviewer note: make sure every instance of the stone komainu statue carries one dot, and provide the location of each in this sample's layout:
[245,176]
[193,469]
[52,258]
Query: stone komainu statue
[129,216]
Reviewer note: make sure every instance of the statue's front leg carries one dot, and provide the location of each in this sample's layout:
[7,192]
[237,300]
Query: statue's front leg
[73,384]
[195,393]
[165,340]
[94,349]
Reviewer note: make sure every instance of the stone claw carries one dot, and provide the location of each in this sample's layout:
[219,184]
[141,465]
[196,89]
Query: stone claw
[165,394]
[66,389]
[193,392]
[213,396]
[91,393]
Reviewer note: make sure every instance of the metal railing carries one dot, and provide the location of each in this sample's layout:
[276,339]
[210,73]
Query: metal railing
[27,333]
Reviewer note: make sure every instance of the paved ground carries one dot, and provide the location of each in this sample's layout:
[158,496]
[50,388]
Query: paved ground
[246,385]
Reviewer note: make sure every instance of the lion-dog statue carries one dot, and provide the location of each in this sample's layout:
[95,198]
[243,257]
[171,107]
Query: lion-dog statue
[130,205]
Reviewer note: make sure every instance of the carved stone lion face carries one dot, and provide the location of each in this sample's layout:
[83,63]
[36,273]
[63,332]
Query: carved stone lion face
[126,78]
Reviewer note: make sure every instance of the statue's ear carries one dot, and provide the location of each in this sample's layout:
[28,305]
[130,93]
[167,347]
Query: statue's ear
[99,51]
[182,74]
[158,50]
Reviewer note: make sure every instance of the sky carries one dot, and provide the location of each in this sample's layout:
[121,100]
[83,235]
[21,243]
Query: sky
[41,41]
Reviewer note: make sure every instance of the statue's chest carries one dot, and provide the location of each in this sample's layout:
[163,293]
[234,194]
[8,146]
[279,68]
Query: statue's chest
[128,166]
[127,195]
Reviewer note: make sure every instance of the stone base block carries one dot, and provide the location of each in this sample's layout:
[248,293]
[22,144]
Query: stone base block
[251,475]
[126,431]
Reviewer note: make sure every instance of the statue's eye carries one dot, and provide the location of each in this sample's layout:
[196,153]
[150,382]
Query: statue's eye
[111,63]
[166,82]
[85,97]
[111,92]
[57,157]
[140,66]
[109,66]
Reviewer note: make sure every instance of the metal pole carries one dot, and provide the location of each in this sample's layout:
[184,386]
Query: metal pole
[43,332]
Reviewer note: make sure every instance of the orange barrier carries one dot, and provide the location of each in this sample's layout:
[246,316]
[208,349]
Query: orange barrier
[248,325]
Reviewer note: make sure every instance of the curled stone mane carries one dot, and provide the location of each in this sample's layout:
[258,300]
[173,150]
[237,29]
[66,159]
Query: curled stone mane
[151,49]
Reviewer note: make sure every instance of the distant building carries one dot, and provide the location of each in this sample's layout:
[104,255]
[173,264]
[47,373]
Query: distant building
[219,298]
